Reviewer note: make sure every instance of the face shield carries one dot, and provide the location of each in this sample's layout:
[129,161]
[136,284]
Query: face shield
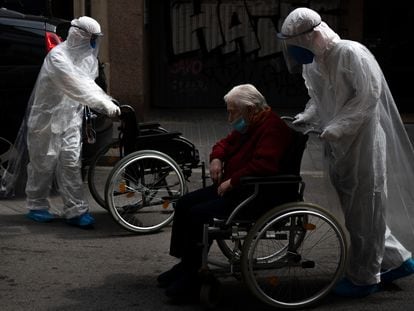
[297,36]
[95,38]
[88,34]
[294,53]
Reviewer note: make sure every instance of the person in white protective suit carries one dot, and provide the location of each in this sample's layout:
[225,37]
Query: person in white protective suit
[369,155]
[65,84]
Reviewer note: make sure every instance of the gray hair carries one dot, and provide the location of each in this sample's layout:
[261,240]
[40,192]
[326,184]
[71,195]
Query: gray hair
[245,95]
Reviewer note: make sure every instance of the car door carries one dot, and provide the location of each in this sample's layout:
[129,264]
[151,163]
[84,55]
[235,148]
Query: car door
[22,50]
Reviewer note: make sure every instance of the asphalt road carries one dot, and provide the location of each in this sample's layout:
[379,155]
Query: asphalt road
[58,267]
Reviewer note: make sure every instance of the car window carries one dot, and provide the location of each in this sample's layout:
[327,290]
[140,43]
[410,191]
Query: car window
[21,46]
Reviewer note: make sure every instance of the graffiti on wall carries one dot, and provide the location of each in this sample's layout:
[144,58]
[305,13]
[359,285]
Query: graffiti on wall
[217,43]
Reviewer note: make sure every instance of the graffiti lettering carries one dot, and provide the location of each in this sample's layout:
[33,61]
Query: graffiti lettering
[219,43]
[228,26]
[243,26]
[187,66]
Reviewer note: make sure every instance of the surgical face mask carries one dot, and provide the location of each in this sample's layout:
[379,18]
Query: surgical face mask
[239,125]
[301,55]
[93,41]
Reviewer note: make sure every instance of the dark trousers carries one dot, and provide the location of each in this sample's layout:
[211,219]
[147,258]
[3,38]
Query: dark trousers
[200,207]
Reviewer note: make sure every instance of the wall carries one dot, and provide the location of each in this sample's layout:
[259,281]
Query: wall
[150,60]
[122,49]
[126,52]
[200,49]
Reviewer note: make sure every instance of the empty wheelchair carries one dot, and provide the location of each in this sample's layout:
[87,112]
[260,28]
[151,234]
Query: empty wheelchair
[140,175]
[141,190]
[289,257]
[134,137]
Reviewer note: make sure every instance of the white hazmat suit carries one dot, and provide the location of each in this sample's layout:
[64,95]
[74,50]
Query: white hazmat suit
[65,83]
[368,151]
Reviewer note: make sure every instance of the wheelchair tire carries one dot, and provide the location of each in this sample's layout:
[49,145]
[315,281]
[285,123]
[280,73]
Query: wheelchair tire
[6,148]
[141,190]
[230,249]
[103,162]
[294,255]
[99,169]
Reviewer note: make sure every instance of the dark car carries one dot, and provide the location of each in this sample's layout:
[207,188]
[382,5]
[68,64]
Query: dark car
[25,40]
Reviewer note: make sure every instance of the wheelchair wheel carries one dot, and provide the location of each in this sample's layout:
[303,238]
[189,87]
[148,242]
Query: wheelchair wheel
[294,255]
[230,249]
[141,190]
[5,150]
[103,162]
[100,168]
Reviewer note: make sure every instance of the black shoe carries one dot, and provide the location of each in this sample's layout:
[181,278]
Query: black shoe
[185,289]
[166,278]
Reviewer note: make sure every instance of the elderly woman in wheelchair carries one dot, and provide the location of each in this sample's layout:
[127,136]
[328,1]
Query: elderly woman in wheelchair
[255,147]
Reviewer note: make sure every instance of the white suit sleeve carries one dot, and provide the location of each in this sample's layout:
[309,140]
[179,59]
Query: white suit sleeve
[309,115]
[359,82]
[75,83]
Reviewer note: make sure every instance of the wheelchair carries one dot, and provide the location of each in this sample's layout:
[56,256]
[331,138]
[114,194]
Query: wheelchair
[6,147]
[138,176]
[289,257]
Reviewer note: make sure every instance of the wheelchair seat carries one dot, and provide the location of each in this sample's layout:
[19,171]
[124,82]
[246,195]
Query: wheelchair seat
[134,136]
[287,183]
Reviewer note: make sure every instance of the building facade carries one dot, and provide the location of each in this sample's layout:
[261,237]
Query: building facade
[188,53]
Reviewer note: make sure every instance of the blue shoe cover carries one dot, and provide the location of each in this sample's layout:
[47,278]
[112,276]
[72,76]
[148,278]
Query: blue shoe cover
[406,269]
[84,221]
[41,215]
[346,288]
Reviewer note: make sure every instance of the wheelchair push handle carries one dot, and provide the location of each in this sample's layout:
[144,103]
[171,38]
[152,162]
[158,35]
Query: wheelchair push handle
[127,114]
[313,131]
[305,128]
[125,109]
[288,118]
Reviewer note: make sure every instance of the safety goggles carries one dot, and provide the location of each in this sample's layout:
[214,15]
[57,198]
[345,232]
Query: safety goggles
[94,36]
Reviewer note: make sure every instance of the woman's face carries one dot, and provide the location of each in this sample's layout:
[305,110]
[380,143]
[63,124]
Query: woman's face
[233,112]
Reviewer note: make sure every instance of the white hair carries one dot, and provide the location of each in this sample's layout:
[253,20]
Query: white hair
[246,95]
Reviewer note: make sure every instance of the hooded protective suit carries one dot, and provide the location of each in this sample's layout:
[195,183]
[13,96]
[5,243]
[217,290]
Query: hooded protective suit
[54,119]
[370,158]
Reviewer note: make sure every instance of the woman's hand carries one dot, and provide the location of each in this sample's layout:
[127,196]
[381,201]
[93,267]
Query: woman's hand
[216,170]
[224,187]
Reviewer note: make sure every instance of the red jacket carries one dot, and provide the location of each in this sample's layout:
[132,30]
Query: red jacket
[257,152]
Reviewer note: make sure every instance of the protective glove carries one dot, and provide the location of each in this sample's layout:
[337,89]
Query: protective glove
[300,118]
[331,134]
[111,109]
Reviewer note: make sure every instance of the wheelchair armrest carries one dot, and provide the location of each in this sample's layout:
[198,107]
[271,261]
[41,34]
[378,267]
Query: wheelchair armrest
[275,179]
[148,125]
[150,138]
[269,180]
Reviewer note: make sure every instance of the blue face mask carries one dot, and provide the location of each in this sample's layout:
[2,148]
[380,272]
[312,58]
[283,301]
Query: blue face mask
[93,43]
[301,55]
[239,125]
